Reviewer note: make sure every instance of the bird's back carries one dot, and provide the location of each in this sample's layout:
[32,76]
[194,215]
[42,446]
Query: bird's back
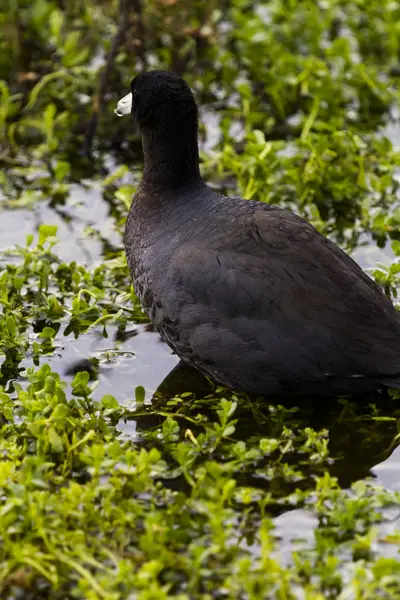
[256,298]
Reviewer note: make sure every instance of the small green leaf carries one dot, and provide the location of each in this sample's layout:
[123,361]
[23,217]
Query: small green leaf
[55,440]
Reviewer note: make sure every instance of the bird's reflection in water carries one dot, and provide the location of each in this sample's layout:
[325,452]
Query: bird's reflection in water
[362,429]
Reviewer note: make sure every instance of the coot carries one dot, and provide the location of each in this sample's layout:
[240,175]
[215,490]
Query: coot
[250,294]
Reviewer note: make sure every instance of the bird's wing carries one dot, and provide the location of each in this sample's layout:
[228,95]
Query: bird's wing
[281,290]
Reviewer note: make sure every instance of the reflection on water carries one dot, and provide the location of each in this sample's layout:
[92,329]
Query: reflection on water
[360,444]
[84,208]
[119,367]
[357,440]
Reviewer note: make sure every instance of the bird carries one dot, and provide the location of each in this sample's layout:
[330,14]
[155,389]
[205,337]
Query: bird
[250,294]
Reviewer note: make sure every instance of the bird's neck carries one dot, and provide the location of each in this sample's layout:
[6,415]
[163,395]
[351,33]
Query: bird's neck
[170,159]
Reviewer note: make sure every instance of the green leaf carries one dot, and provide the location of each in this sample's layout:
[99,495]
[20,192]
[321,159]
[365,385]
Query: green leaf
[60,412]
[46,232]
[109,401]
[55,440]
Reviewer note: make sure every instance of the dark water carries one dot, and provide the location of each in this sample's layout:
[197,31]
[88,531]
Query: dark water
[361,448]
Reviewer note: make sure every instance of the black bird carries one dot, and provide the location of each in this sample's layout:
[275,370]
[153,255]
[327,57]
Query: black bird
[249,294]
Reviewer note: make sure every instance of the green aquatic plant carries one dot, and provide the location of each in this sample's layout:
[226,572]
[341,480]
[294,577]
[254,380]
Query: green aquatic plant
[44,298]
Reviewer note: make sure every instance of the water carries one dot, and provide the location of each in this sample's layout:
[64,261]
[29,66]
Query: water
[83,208]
